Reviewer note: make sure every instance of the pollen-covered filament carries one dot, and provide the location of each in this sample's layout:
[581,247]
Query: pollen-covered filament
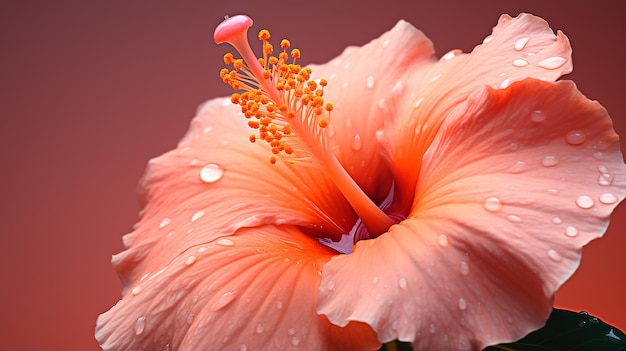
[287,110]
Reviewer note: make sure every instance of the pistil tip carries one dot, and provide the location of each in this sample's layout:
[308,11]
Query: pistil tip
[230,27]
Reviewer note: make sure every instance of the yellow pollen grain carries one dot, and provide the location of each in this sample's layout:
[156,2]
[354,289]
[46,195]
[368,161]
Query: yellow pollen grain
[264,34]
[285,44]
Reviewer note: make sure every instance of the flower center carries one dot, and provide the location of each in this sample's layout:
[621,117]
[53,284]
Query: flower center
[287,109]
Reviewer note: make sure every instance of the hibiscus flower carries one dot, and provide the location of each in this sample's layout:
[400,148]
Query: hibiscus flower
[467,184]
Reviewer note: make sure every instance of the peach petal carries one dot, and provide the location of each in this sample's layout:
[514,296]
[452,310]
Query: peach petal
[252,291]
[366,85]
[218,181]
[447,83]
[515,183]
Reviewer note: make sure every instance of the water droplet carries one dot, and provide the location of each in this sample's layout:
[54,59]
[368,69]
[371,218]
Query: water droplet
[520,44]
[203,249]
[136,290]
[243,347]
[557,220]
[582,323]
[394,325]
[348,123]
[450,55]
[190,260]
[464,268]
[552,62]
[537,116]
[594,320]
[356,143]
[492,204]
[259,328]
[605,179]
[386,42]
[165,222]
[571,231]
[375,280]
[488,39]
[370,81]
[520,63]
[514,218]
[291,331]
[505,83]
[330,286]
[295,341]
[418,102]
[462,304]
[402,283]
[554,256]
[437,76]
[279,304]
[518,167]
[140,325]
[398,88]
[553,191]
[442,240]
[575,137]
[598,155]
[608,198]
[550,161]
[224,300]
[432,328]
[197,215]
[211,173]
[224,242]
[381,104]
[584,202]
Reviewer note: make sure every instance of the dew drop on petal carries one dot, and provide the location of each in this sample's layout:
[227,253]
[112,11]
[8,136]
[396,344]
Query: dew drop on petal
[520,63]
[432,328]
[550,161]
[442,240]
[608,198]
[375,280]
[211,173]
[464,268]
[462,304]
[605,179]
[554,256]
[571,231]
[505,83]
[488,39]
[279,304]
[386,42]
[140,325]
[575,137]
[370,82]
[225,242]
[402,283]
[557,220]
[295,341]
[514,218]
[537,116]
[584,201]
[196,216]
[291,331]
[224,300]
[521,43]
[356,143]
[492,204]
[394,325]
[203,249]
[136,290]
[164,222]
[381,104]
[190,260]
[552,62]
[259,328]
[330,285]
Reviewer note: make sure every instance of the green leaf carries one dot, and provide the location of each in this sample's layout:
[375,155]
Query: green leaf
[569,331]
[564,331]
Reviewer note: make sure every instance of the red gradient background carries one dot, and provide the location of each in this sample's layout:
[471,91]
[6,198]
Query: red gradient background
[89,91]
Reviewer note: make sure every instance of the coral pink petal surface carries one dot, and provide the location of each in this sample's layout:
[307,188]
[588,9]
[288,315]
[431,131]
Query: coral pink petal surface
[514,184]
[214,185]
